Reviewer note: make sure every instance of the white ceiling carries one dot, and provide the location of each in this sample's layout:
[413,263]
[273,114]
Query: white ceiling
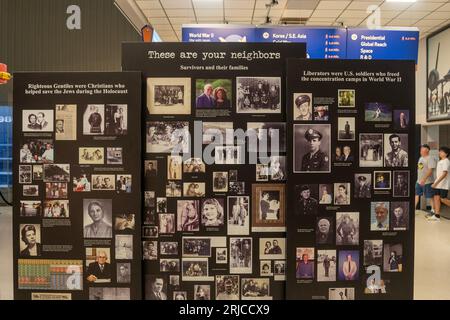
[167,16]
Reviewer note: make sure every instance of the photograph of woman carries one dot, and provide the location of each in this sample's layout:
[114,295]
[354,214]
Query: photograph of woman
[188,219]
[212,213]
[30,236]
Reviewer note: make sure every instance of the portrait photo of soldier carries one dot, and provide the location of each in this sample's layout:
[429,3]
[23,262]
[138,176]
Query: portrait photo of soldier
[363,185]
[401,184]
[312,148]
[307,202]
[396,150]
[302,106]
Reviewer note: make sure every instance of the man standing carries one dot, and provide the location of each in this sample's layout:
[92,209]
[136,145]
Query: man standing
[326,266]
[425,176]
[306,204]
[315,159]
[349,268]
[397,157]
[206,99]
[441,184]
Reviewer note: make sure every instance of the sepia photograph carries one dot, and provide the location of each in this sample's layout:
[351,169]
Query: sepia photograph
[401,184]
[363,185]
[220,181]
[229,155]
[262,172]
[116,119]
[325,230]
[97,217]
[272,248]
[149,232]
[392,257]
[396,150]
[238,215]
[149,250]
[255,289]
[174,167]
[266,137]
[149,199]
[56,190]
[169,265]
[241,255]
[371,150]
[268,212]
[347,228]
[401,119]
[66,122]
[342,193]
[306,195]
[194,269]
[30,240]
[212,214]
[218,132]
[304,263]
[194,189]
[123,272]
[258,95]
[124,247]
[341,294]
[373,252]
[94,119]
[194,165]
[155,287]
[277,168]
[114,155]
[151,170]
[105,182]
[56,173]
[321,113]
[326,265]
[279,270]
[123,183]
[382,180]
[379,216]
[174,188]
[227,287]
[168,137]
[37,120]
[213,93]
[91,155]
[30,208]
[169,95]
[265,268]
[202,292]
[346,129]
[30,190]
[98,265]
[188,218]
[377,112]
[124,221]
[196,246]
[399,216]
[303,107]
[346,98]
[38,172]
[236,187]
[180,295]
[25,174]
[221,255]
[161,203]
[312,148]
[35,150]
[166,223]
[168,248]
[348,269]
[56,209]
[325,194]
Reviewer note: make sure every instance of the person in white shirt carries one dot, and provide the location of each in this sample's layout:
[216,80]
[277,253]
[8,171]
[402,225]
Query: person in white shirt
[425,176]
[47,156]
[441,184]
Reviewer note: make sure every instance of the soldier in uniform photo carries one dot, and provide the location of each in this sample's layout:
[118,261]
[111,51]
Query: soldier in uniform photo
[306,204]
[397,157]
[315,159]
[303,104]
[401,188]
[362,187]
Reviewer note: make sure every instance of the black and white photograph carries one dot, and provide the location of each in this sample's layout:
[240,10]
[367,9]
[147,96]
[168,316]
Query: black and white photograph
[124,247]
[374,286]
[272,248]
[149,232]
[379,216]
[401,184]
[91,155]
[194,189]
[56,190]
[347,228]
[188,217]
[168,248]
[266,137]
[277,168]
[66,122]
[220,181]
[312,148]
[363,186]
[98,265]
[393,257]
[35,150]
[227,287]
[377,112]
[255,289]
[229,155]
[38,172]
[265,268]
[346,98]
[237,187]
[346,129]
[103,182]
[174,189]
[114,155]
[56,209]
[305,265]
[149,199]
[56,173]
[30,190]
[174,281]
[382,180]
[166,223]
[343,154]
[321,113]
[37,120]
[123,183]
[342,193]
[218,132]
[151,170]
[202,292]
[25,174]
[221,255]
[258,95]
[303,106]
[373,252]
[325,230]
[401,119]
[97,217]
[326,265]
[196,247]
[161,204]
[30,208]
[213,93]
[169,95]
[307,199]
[123,272]
[212,212]
[150,250]
[341,294]
[124,221]
[241,255]
[116,119]
[325,194]
[238,215]
[168,137]
[279,270]
[30,240]
[371,150]
[399,216]
[268,211]
[180,295]
[94,119]
[194,165]
[262,172]
[195,269]
[169,265]
[232,175]
[396,150]
[174,167]
[155,287]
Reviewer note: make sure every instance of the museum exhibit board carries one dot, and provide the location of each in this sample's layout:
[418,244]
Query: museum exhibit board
[351,179]
[214,206]
[77,186]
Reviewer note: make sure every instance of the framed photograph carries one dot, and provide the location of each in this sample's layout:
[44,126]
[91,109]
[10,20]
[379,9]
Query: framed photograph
[341,294]
[277,169]
[30,240]
[168,248]
[272,248]
[30,190]
[279,270]
[307,203]
[161,204]
[56,172]
[401,119]
[195,269]
[233,175]
[168,137]
[237,187]
[347,228]
[180,295]
[150,250]
[169,95]
[212,214]
[265,268]
[36,150]
[393,257]
[321,113]
[174,167]
[241,257]
[373,253]
[56,209]
[202,292]
[348,269]
[399,216]
[304,263]
[221,255]
[303,106]
[370,149]
[363,185]
[104,182]
[268,212]
[346,129]
[342,194]
[94,119]
[229,155]
[25,174]
[97,218]
[227,287]
[220,181]
[155,287]
[169,265]
[401,184]
[66,122]
[166,223]
[38,172]
[194,189]
[37,120]
[194,165]
[173,188]
[81,180]
[30,208]
[377,112]
[91,155]
[114,155]
[56,190]
[126,221]
[174,280]
[382,180]
[326,265]
[213,93]
[218,132]
[266,137]
[116,119]
[95,257]
[123,183]
[344,154]
[325,230]
[346,98]
[396,150]
[196,246]
[124,246]
[312,147]
[255,289]
[149,232]
[149,199]
[188,218]
[262,172]
[151,169]
[123,272]
[258,95]
[325,194]
[379,216]
[238,215]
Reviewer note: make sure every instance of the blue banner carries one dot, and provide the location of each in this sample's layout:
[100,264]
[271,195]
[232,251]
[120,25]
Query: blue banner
[5,146]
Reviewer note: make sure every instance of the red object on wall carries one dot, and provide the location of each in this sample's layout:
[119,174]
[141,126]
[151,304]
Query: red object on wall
[4,75]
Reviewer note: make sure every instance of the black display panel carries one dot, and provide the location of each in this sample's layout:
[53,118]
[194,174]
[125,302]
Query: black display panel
[77,178]
[213,229]
[351,179]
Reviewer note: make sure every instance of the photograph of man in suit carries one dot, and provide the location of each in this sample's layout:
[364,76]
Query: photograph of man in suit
[100,269]
[206,99]
[349,268]
[156,290]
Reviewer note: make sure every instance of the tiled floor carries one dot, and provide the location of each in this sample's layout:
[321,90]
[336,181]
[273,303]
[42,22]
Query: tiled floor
[432,257]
